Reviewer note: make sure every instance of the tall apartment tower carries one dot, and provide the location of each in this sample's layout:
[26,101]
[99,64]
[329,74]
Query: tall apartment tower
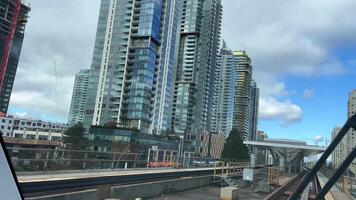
[255,95]
[196,60]
[349,141]
[79,97]
[13,19]
[246,98]
[224,92]
[339,154]
[350,138]
[132,71]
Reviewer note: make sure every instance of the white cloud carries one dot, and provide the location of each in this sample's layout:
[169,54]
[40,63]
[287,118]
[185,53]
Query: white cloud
[68,41]
[286,38]
[308,93]
[282,38]
[284,111]
[22,114]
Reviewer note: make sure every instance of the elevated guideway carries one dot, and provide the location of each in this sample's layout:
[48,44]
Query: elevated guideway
[288,154]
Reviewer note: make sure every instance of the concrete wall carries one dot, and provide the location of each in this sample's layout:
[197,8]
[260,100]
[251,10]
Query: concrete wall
[81,195]
[154,189]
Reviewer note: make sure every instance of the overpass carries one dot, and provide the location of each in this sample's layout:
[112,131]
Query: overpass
[289,154]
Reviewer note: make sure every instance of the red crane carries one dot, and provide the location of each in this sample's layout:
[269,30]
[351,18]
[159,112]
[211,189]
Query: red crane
[8,40]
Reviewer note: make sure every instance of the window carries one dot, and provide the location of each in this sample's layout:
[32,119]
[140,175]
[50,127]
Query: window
[30,136]
[42,137]
[56,138]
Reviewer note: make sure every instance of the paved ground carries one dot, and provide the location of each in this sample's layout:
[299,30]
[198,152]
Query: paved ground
[209,193]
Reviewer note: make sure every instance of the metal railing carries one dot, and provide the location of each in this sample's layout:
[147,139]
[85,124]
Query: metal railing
[34,159]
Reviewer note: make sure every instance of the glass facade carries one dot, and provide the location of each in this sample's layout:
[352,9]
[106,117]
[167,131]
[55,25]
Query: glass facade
[130,69]
[246,98]
[198,48]
[224,92]
[79,96]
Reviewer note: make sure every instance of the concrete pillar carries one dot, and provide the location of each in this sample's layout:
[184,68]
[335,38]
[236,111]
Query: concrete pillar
[281,162]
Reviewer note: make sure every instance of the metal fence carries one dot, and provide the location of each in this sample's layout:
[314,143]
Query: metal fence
[345,182]
[33,159]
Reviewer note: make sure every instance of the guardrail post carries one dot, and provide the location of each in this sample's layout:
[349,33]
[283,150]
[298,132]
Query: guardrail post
[214,170]
[113,160]
[46,161]
[84,161]
[134,164]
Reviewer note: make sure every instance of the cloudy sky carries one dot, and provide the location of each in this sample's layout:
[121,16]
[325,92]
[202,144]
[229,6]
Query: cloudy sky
[303,53]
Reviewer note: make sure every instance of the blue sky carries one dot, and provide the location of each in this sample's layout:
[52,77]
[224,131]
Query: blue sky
[303,53]
[322,110]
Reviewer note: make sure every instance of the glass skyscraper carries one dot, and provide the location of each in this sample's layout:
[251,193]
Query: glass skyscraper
[79,97]
[132,71]
[198,48]
[246,98]
[224,92]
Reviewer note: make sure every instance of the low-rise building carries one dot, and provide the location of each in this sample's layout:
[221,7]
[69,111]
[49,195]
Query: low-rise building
[11,123]
[216,145]
[34,139]
[106,139]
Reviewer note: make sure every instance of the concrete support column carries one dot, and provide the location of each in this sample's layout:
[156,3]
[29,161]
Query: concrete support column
[281,162]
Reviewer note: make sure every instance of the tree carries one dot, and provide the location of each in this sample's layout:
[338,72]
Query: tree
[74,137]
[234,147]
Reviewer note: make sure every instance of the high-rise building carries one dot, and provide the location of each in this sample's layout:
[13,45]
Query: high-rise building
[132,71]
[246,98]
[255,95]
[196,60]
[79,97]
[13,18]
[345,147]
[339,154]
[224,92]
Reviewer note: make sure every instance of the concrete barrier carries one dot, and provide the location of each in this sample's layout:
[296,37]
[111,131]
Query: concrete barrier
[157,188]
[81,195]
[229,193]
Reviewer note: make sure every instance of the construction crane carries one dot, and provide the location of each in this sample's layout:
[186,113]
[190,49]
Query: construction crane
[8,40]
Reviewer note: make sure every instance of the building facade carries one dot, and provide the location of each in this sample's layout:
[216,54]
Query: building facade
[10,49]
[79,97]
[217,141]
[255,95]
[132,71]
[339,154]
[38,135]
[12,123]
[246,98]
[224,92]
[345,147]
[196,60]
